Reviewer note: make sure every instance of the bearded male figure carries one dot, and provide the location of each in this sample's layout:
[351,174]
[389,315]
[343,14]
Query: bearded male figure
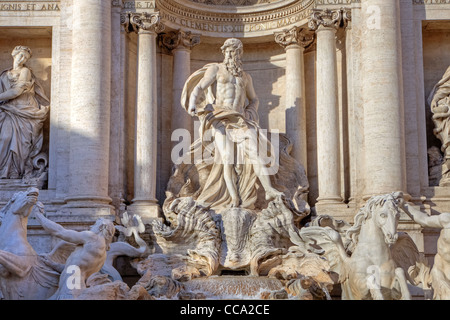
[234,129]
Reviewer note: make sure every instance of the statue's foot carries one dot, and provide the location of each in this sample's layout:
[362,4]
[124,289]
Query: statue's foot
[234,203]
[273,194]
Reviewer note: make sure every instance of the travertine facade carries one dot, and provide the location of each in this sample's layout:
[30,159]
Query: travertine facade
[360,88]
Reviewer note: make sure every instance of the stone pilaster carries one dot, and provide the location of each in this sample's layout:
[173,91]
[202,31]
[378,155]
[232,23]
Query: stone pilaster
[180,44]
[325,23]
[147,25]
[90,111]
[294,41]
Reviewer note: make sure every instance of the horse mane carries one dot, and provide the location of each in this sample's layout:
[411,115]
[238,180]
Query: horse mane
[5,209]
[363,214]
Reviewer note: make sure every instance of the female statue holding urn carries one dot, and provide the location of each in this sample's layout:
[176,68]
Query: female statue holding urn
[23,109]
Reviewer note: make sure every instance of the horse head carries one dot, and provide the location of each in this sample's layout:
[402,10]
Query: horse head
[21,203]
[386,216]
[383,210]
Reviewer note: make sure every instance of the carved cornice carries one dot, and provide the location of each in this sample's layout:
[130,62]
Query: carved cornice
[142,22]
[329,18]
[179,39]
[231,2]
[238,21]
[294,36]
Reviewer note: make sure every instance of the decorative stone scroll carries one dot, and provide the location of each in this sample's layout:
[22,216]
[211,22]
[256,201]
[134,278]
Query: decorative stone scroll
[329,18]
[175,39]
[294,35]
[142,22]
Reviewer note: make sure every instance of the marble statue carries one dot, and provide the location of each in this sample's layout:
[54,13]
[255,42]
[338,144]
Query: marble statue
[24,275]
[435,162]
[439,101]
[230,121]
[131,226]
[440,273]
[393,260]
[87,258]
[24,108]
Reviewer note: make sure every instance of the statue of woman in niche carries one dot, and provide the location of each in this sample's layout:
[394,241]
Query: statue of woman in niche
[23,109]
[439,101]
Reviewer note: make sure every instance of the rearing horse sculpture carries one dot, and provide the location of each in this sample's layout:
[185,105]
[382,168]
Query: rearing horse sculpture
[23,273]
[369,262]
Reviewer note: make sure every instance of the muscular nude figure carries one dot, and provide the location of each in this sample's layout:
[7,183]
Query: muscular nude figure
[441,269]
[87,258]
[233,88]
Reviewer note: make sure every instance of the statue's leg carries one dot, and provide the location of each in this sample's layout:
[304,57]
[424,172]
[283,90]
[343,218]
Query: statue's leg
[16,265]
[259,163]
[225,150]
[401,279]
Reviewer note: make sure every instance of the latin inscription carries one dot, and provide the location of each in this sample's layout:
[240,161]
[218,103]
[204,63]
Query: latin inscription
[234,28]
[29,6]
[139,5]
[431,1]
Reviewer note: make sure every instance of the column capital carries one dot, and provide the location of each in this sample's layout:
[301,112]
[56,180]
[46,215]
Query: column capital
[326,18]
[142,22]
[294,36]
[179,40]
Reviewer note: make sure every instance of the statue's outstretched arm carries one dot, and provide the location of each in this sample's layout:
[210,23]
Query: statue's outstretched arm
[58,231]
[434,221]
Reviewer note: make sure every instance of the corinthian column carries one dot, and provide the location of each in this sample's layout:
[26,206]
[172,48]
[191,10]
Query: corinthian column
[90,109]
[180,43]
[325,23]
[147,25]
[294,41]
[382,97]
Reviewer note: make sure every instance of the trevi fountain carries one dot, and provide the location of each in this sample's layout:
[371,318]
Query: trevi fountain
[225,150]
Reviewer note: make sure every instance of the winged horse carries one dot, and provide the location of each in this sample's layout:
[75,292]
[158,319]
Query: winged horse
[372,259]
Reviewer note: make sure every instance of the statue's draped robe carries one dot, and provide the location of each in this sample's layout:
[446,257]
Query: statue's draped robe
[439,101]
[21,126]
